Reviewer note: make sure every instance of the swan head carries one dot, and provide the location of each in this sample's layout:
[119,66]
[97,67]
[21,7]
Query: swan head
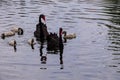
[64,32]
[42,19]
[3,36]
[20,31]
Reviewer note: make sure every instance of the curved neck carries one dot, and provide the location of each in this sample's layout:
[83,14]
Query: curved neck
[32,44]
[60,32]
[65,33]
[15,49]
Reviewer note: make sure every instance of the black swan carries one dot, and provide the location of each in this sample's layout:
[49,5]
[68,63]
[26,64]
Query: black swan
[54,42]
[41,32]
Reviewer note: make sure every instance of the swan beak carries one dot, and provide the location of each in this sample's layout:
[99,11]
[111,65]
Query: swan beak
[43,21]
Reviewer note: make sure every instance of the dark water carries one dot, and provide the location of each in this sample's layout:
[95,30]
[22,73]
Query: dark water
[93,55]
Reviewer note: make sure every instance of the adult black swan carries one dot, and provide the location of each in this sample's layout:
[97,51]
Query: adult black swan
[55,42]
[41,32]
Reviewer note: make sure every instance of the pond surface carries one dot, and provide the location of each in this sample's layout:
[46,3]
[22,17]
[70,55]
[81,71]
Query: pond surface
[93,55]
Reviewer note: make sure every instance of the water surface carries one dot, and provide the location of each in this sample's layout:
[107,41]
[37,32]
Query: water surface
[93,55]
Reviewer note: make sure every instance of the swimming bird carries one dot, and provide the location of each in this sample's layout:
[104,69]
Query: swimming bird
[68,36]
[13,43]
[17,30]
[41,32]
[54,42]
[7,34]
[31,42]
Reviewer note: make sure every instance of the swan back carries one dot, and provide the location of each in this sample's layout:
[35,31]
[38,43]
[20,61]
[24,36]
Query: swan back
[14,29]
[9,33]
[52,42]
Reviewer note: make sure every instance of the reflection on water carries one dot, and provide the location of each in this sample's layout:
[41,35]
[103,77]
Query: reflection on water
[113,9]
[43,56]
[93,55]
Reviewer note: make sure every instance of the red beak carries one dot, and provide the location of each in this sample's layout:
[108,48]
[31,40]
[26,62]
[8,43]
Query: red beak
[43,18]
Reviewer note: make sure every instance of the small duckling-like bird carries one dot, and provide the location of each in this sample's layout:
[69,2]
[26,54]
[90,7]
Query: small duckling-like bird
[68,36]
[7,34]
[13,43]
[17,30]
[31,42]
[20,31]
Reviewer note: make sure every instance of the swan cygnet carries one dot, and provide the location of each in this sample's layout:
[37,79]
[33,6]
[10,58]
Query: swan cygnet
[17,30]
[31,42]
[13,43]
[7,34]
[68,36]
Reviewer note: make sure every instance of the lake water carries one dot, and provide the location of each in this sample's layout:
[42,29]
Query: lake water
[93,55]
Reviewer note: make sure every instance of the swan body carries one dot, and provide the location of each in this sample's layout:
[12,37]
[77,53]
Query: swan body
[68,36]
[17,30]
[7,34]
[54,42]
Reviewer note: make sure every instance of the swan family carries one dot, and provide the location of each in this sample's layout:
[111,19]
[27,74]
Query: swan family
[54,40]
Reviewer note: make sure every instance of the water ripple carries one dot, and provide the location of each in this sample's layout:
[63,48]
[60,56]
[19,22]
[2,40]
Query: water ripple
[92,55]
